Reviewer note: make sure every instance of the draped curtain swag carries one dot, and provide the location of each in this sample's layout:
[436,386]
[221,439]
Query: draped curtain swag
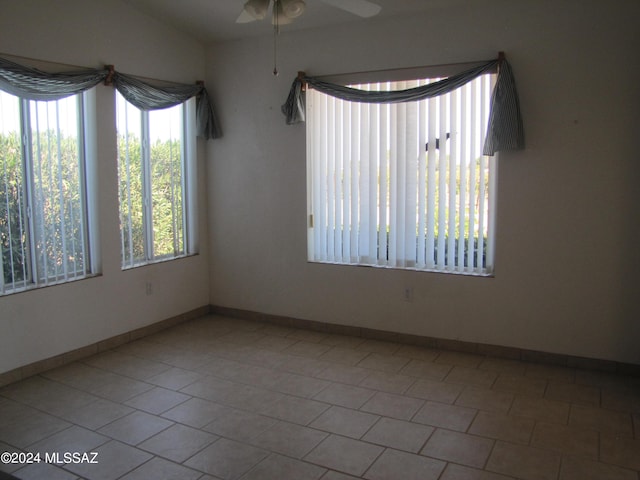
[504,130]
[34,84]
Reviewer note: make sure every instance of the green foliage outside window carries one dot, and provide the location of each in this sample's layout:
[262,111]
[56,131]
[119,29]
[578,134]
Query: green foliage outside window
[12,227]
[166,199]
[166,195]
[56,208]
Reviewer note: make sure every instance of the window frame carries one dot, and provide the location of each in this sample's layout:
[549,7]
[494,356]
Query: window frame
[84,124]
[362,80]
[188,232]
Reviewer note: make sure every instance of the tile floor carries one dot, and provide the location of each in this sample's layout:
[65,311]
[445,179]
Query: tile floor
[220,398]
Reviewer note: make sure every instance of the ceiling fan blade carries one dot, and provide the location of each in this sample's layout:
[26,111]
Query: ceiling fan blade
[245,18]
[254,10]
[362,8]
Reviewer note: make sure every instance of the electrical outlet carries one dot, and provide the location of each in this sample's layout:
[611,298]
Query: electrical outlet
[149,288]
[408,294]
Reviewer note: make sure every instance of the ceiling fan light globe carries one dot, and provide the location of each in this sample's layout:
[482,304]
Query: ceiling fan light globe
[279,15]
[257,8]
[292,8]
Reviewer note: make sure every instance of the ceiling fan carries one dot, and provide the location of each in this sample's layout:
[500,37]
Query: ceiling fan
[284,11]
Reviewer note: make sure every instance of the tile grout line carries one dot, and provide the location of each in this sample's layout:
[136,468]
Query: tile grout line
[403,393]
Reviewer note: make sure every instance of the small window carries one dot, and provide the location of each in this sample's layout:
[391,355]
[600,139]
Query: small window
[44,231]
[402,185]
[152,183]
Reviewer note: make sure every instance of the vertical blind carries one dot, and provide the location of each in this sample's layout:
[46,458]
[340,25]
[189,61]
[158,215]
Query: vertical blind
[405,184]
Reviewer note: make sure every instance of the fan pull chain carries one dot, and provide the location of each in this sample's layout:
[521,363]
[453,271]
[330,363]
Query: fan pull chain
[275,54]
[276,31]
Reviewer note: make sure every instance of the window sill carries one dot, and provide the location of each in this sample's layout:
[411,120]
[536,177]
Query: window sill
[32,287]
[410,269]
[158,261]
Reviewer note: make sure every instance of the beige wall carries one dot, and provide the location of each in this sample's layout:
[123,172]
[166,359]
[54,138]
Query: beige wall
[571,195]
[46,322]
[568,225]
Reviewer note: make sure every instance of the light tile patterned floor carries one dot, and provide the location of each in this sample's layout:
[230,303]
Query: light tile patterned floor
[221,398]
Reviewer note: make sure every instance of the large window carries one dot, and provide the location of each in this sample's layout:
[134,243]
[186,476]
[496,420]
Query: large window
[152,162]
[402,185]
[44,234]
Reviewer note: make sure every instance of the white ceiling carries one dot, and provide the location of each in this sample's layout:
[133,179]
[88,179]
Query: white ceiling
[215,20]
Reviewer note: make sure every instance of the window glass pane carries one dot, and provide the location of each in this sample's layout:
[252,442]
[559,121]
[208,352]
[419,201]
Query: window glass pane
[129,126]
[43,223]
[13,237]
[165,135]
[56,157]
[151,173]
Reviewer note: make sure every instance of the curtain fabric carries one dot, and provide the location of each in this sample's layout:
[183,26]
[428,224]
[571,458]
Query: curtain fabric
[504,131]
[33,84]
[148,97]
